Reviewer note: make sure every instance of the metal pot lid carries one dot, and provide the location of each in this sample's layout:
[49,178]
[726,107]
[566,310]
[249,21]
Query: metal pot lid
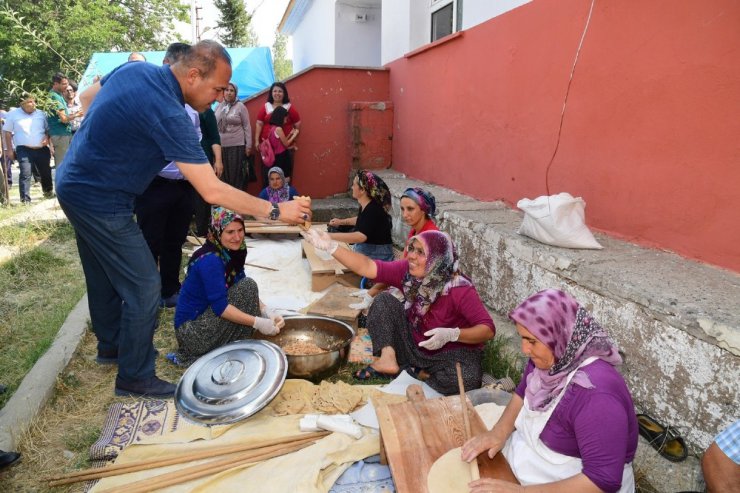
[232,382]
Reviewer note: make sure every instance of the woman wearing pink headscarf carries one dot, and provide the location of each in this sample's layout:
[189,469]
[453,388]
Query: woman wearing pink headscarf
[440,321]
[571,424]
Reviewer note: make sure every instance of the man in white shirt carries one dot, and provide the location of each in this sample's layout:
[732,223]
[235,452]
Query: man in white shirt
[26,137]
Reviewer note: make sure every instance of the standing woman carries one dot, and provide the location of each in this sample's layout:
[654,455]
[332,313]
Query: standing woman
[74,106]
[277,97]
[236,138]
[372,224]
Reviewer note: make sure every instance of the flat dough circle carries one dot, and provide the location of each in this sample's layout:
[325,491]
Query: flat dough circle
[449,474]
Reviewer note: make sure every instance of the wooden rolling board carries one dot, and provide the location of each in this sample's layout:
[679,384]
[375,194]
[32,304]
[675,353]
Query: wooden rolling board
[324,273]
[320,265]
[335,304]
[416,433]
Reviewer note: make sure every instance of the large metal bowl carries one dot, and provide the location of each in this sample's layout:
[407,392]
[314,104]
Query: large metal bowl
[333,335]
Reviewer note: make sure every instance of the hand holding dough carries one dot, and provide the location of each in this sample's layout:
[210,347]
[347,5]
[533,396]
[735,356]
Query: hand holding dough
[449,474]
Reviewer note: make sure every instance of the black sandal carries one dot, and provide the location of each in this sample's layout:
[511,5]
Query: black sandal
[663,438]
[370,373]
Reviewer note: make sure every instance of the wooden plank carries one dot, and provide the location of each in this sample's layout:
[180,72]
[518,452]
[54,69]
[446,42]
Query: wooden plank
[418,432]
[271,229]
[320,265]
[335,304]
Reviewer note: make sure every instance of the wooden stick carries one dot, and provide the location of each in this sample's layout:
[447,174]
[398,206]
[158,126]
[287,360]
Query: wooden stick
[261,266]
[474,472]
[116,469]
[195,472]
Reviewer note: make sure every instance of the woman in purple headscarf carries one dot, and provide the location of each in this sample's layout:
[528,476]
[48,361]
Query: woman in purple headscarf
[418,208]
[441,320]
[571,423]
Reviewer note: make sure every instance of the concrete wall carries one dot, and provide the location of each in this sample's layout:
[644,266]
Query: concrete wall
[676,370]
[649,137]
[357,43]
[322,96]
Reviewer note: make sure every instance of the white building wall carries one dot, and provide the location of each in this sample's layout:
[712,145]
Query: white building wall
[406,24]
[478,11]
[313,39]
[357,42]
[395,37]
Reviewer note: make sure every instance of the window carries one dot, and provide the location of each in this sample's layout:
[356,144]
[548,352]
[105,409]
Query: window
[446,18]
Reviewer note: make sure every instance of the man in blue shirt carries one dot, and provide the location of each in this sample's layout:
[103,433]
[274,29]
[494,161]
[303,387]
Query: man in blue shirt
[164,210]
[135,124]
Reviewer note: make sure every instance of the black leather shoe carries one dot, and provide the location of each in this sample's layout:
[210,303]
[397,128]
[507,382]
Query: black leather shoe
[107,357]
[7,459]
[152,387]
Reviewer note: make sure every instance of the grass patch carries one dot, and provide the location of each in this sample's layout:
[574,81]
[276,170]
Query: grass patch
[40,287]
[500,360]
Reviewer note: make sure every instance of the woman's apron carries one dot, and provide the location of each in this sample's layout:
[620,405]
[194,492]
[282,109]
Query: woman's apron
[533,462]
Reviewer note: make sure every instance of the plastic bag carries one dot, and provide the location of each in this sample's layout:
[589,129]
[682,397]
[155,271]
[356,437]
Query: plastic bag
[558,220]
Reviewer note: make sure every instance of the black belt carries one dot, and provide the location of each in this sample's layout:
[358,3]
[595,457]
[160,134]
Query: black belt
[162,179]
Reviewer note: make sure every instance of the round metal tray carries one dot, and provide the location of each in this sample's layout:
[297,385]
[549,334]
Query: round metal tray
[232,382]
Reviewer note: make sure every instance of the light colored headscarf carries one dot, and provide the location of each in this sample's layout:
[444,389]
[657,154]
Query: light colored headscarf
[277,195]
[560,322]
[442,273]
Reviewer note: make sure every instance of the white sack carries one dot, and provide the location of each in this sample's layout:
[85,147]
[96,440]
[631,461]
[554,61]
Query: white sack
[558,220]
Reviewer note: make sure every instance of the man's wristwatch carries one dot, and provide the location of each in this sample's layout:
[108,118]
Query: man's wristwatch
[275,212]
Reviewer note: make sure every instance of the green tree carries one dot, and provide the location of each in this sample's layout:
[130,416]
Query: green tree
[235,24]
[282,66]
[40,37]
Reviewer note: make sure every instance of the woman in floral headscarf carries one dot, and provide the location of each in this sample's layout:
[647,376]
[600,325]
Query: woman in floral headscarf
[571,422]
[218,304]
[441,320]
[372,225]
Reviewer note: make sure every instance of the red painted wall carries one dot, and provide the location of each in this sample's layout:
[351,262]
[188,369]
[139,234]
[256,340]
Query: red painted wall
[651,136]
[322,96]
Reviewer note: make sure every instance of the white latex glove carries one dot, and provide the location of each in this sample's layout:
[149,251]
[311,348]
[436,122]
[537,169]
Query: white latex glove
[359,294]
[439,337]
[275,316]
[367,300]
[320,240]
[267,326]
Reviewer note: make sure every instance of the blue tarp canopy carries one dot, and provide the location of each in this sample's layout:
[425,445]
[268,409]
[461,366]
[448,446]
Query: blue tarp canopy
[251,67]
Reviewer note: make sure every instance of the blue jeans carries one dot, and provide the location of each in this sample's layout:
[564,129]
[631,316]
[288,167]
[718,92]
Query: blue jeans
[376,252]
[27,158]
[122,287]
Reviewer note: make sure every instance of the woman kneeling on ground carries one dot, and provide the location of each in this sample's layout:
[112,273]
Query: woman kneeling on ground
[418,208]
[277,189]
[218,304]
[441,321]
[372,224]
[571,424]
